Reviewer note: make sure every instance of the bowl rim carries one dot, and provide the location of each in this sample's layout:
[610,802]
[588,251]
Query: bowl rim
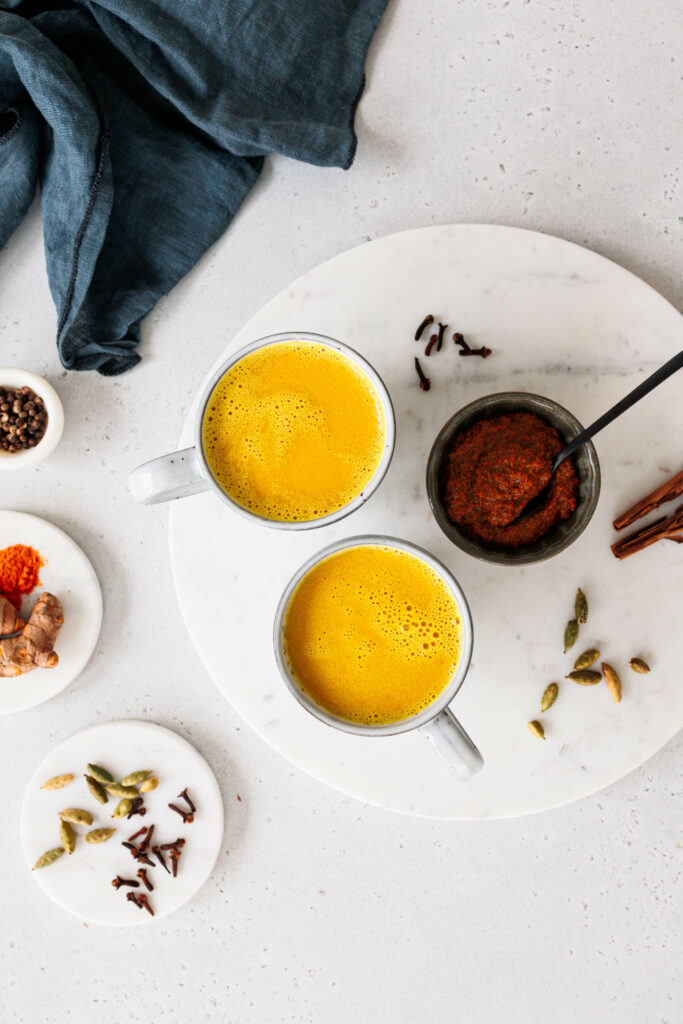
[17,377]
[501,556]
[442,700]
[375,381]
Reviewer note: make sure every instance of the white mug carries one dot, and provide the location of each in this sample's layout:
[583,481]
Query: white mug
[186,472]
[437,722]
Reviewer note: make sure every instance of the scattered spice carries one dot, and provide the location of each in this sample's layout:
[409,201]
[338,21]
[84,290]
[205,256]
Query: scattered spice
[123,808]
[144,902]
[100,774]
[667,526]
[673,488]
[135,778]
[187,816]
[549,696]
[465,349]
[495,467]
[118,882]
[570,634]
[580,607]
[48,858]
[587,659]
[584,676]
[68,836]
[137,808]
[116,789]
[144,845]
[76,815]
[175,856]
[19,572]
[140,832]
[97,789]
[439,342]
[431,343]
[536,729]
[613,681]
[160,857]
[172,846]
[429,319]
[148,785]
[133,897]
[425,382]
[23,418]
[186,797]
[57,782]
[99,835]
[640,666]
[142,875]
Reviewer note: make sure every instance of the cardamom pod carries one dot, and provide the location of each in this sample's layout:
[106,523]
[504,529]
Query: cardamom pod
[76,815]
[49,857]
[99,835]
[585,676]
[135,778]
[57,782]
[587,659]
[581,607]
[637,664]
[100,774]
[123,808]
[97,789]
[68,836]
[116,789]
[536,729]
[149,784]
[613,681]
[549,696]
[570,634]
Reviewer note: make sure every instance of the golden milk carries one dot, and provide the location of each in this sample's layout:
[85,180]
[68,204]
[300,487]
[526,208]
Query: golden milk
[293,431]
[373,634]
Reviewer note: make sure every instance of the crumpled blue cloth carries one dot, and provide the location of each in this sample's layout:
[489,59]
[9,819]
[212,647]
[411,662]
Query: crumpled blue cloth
[146,122]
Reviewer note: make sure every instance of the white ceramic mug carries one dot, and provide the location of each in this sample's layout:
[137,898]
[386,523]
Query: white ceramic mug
[437,722]
[186,472]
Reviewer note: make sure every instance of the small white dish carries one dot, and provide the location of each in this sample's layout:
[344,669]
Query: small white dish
[15,377]
[68,575]
[81,882]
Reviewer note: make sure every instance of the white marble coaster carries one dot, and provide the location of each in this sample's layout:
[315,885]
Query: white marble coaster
[81,882]
[69,576]
[563,322]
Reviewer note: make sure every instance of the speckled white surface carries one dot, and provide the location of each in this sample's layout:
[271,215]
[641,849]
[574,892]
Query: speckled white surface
[320,908]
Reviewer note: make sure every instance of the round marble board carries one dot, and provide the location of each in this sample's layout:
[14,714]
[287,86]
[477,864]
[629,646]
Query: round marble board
[563,322]
[81,882]
[68,575]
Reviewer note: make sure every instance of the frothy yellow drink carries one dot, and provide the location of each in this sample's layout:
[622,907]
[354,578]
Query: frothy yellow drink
[373,634]
[293,431]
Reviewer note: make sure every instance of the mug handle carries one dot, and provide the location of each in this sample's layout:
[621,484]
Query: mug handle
[453,745]
[171,476]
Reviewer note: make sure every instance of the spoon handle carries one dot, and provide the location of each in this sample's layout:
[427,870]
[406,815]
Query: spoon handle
[651,382]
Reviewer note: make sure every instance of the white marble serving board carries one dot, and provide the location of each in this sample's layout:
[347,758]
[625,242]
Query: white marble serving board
[81,882]
[69,575]
[563,322]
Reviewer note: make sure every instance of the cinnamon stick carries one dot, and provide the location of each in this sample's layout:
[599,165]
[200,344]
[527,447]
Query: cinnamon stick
[673,488]
[667,526]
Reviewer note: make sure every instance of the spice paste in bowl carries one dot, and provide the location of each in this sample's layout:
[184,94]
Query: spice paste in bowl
[495,467]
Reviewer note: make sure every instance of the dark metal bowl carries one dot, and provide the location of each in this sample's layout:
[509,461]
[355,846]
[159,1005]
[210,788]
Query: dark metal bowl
[585,460]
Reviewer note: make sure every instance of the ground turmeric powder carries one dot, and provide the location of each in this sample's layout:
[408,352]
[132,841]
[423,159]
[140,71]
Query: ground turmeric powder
[19,572]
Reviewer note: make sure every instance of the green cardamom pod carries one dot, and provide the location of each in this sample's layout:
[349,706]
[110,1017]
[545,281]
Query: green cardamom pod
[581,607]
[100,774]
[570,634]
[49,857]
[149,784]
[637,664]
[549,696]
[587,659]
[76,815]
[585,676]
[68,836]
[135,778]
[116,789]
[613,681]
[97,789]
[536,729]
[123,808]
[57,782]
[99,835]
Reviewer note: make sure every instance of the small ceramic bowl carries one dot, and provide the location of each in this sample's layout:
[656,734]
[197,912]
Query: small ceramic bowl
[14,377]
[585,460]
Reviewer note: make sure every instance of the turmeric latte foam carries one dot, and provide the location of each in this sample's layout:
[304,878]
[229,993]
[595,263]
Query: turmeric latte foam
[373,634]
[293,431]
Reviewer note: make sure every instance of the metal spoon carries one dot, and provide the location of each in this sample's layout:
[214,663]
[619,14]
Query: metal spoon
[634,396]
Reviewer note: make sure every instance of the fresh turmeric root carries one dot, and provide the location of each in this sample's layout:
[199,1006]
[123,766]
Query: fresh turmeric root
[34,647]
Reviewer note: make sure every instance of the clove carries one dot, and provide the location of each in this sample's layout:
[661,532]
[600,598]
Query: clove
[118,882]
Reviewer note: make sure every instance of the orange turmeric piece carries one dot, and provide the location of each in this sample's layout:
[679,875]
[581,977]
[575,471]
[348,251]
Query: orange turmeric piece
[19,572]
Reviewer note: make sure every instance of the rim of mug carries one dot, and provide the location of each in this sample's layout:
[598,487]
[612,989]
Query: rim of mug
[405,724]
[387,411]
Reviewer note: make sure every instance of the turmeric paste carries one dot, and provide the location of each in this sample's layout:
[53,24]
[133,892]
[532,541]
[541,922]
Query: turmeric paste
[19,572]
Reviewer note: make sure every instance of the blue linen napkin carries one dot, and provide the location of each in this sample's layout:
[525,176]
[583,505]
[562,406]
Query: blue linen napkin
[146,122]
